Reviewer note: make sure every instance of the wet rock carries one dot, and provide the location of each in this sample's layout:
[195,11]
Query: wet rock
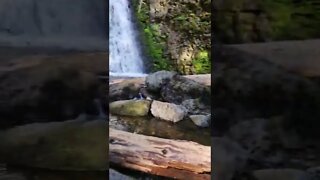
[201,120]
[68,145]
[168,111]
[130,107]
[228,158]
[281,174]
[155,80]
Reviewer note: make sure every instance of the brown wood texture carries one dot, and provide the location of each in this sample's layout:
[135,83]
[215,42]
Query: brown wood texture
[177,159]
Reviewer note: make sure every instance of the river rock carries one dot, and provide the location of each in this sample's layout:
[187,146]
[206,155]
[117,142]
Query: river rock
[281,174]
[228,158]
[195,106]
[179,88]
[168,111]
[130,107]
[68,145]
[155,80]
[201,120]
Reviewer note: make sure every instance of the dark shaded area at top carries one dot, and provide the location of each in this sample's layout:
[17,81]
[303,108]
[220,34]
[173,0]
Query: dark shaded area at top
[66,24]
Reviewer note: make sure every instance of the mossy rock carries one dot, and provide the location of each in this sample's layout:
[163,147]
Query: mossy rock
[130,107]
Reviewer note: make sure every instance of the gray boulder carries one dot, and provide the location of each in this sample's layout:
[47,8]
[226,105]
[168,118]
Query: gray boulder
[155,80]
[168,111]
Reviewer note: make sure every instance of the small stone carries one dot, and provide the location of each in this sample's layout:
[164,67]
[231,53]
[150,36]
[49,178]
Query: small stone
[201,120]
[168,111]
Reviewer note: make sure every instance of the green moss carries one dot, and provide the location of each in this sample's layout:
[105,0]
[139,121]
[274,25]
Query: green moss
[191,22]
[201,63]
[153,40]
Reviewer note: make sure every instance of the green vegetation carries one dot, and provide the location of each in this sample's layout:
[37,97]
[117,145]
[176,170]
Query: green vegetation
[202,63]
[153,40]
[192,25]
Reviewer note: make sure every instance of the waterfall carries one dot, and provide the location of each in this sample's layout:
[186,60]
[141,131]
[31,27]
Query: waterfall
[124,54]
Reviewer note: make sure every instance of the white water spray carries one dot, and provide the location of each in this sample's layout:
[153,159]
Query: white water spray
[124,55]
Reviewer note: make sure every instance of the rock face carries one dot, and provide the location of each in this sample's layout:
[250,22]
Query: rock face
[168,111]
[59,23]
[130,107]
[69,145]
[171,24]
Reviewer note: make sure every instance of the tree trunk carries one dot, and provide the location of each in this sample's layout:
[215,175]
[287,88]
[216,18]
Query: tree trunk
[164,157]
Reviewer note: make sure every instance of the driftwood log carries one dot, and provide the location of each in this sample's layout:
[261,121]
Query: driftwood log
[177,159]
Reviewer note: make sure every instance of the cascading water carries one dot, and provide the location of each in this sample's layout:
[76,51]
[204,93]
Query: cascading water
[124,55]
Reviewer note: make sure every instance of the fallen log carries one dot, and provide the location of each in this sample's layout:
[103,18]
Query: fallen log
[164,157]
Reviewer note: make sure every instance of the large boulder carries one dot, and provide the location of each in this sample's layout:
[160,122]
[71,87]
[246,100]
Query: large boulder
[68,145]
[168,111]
[130,107]
[179,88]
[156,80]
